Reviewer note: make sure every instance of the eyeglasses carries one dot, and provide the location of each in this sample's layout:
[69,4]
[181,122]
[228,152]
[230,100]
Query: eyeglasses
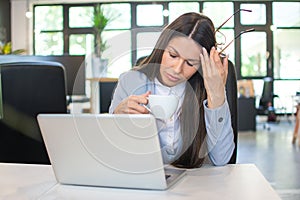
[242,32]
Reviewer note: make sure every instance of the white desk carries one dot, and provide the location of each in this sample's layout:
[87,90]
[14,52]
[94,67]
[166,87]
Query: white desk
[18,181]
[242,181]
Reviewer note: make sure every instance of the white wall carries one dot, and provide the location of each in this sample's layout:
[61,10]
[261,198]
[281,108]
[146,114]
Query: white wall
[19,25]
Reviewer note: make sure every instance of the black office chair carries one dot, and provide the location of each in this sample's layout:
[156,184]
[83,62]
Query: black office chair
[106,90]
[266,97]
[231,93]
[266,106]
[28,88]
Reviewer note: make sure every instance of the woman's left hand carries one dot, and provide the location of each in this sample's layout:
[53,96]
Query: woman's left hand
[215,75]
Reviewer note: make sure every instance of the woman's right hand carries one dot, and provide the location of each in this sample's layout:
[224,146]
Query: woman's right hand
[133,105]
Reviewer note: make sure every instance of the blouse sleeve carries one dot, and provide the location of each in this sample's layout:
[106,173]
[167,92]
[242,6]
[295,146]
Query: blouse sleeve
[129,83]
[220,137]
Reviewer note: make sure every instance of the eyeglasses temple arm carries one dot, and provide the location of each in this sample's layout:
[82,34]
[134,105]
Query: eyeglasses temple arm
[242,32]
[239,10]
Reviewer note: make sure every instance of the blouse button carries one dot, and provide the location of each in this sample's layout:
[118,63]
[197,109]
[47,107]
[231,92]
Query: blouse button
[170,151]
[220,119]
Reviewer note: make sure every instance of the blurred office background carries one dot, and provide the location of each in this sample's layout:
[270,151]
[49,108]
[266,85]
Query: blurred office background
[44,27]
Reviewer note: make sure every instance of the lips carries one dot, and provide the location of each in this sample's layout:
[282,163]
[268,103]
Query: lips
[172,78]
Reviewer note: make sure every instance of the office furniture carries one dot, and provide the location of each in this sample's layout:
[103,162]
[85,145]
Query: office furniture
[1,103]
[232,182]
[245,88]
[101,93]
[267,96]
[140,60]
[28,88]
[231,93]
[247,114]
[74,69]
[266,103]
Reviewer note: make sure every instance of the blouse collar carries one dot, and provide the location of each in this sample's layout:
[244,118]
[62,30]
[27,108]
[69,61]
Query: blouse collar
[177,90]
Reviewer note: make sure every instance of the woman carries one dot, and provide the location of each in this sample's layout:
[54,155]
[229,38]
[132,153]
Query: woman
[184,62]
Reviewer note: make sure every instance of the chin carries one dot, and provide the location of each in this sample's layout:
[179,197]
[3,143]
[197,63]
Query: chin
[170,83]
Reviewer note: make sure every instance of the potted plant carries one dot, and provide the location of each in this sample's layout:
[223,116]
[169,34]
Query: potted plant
[6,49]
[100,22]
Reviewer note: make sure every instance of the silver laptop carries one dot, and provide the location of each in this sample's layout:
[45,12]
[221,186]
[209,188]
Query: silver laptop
[106,150]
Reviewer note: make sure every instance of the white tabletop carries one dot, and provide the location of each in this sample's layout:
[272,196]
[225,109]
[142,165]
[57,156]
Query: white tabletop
[20,181]
[241,181]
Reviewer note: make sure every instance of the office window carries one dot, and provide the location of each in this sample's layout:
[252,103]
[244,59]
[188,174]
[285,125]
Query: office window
[81,44]
[226,34]
[146,42]
[253,54]
[49,43]
[286,90]
[81,16]
[118,38]
[257,16]
[178,8]
[219,12]
[150,15]
[126,45]
[49,18]
[119,51]
[287,53]
[286,21]
[286,14]
[48,30]
[286,42]
[50,33]
[224,37]
[120,15]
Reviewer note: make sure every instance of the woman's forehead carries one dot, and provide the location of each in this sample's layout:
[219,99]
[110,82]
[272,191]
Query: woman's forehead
[186,47]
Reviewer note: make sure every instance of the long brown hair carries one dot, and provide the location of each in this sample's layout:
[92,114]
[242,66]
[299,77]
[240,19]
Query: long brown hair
[201,29]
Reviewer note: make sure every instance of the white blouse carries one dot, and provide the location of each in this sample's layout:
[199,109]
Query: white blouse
[169,130]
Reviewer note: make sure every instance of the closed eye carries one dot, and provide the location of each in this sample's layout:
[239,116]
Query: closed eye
[189,64]
[173,55]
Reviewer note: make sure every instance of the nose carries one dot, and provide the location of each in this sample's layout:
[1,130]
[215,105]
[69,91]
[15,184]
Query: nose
[177,67]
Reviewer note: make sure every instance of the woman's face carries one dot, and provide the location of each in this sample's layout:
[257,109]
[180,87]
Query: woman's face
[180,61]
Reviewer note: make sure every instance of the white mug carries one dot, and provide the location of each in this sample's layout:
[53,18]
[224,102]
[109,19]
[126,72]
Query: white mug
[163,106]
